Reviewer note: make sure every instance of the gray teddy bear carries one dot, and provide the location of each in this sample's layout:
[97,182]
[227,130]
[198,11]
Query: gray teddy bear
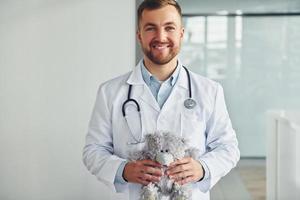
[165,148]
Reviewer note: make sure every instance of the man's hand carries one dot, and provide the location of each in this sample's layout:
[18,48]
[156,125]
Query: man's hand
[185,170]
[142,171]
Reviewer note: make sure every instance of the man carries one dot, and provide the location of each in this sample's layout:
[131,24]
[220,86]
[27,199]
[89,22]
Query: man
[159,87]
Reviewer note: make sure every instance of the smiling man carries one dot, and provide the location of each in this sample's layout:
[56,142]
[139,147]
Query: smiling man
[160,33]
[160,94]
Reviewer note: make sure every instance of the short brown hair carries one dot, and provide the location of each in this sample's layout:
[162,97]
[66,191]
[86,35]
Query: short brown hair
[156,4]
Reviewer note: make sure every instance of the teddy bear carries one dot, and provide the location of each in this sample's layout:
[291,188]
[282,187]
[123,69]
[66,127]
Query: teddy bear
[165,147]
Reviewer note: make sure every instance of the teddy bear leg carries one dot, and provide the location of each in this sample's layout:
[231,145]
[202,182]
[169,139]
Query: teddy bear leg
[149,192]
[180,192]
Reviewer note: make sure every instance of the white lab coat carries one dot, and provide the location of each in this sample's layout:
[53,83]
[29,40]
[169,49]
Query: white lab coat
[207,127]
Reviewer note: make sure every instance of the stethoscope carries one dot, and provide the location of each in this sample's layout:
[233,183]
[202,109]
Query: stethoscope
[189,103]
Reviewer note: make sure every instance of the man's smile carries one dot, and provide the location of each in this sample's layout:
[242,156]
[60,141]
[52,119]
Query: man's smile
[160,46]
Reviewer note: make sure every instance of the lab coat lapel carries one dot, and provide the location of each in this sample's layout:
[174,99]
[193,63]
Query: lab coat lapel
[144,93]
[148,98]
[172,109]
[178,94]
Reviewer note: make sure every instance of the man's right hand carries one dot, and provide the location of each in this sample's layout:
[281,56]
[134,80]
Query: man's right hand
[142,171]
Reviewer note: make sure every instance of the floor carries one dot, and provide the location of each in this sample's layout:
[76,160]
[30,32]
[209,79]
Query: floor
[246,182]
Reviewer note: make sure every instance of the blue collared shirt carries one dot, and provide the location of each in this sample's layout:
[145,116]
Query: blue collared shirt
[161,90]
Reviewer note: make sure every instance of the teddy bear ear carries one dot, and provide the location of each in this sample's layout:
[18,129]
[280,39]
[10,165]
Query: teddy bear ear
[148,136]
[151,138]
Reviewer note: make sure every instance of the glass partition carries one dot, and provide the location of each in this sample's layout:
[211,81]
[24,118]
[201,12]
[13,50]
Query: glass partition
[257,61]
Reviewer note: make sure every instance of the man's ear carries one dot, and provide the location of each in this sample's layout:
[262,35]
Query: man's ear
[138,35]
[182,33]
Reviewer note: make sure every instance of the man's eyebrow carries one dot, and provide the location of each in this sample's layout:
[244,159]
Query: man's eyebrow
[169,23]
[149,24]
[166,24]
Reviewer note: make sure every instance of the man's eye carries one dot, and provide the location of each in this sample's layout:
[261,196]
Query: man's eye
[170,28]
[150,29]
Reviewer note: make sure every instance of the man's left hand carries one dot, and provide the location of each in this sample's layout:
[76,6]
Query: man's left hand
[185,170]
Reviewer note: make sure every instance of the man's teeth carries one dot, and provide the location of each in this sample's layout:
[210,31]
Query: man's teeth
[160,46]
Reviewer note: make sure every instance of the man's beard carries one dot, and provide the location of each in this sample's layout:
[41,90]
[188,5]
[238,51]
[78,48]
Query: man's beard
[161,60]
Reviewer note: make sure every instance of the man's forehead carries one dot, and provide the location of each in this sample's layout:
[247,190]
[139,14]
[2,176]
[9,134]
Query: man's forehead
[161,16]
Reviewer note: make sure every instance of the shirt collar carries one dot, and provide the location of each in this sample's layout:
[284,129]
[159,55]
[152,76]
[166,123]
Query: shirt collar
[148,77]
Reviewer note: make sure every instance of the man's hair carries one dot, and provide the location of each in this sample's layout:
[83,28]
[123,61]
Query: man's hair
[156,4]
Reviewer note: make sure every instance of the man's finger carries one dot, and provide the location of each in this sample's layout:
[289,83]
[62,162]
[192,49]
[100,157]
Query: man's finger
[180,162]
[178,169]
[181,175]
[151,163]
[152,170]
[142,181]
[150,178]
[185,180]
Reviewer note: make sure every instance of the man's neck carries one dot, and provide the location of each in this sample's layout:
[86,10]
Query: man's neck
[161,72]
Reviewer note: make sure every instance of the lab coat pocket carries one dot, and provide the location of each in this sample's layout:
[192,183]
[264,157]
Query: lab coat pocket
[193,128]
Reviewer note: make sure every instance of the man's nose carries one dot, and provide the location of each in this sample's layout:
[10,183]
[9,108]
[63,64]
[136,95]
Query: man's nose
[161,35]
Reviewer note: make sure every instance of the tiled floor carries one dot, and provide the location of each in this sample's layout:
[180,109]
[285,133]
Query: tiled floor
[246,182]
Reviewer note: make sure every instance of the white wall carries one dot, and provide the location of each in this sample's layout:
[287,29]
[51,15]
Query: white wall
[53,56]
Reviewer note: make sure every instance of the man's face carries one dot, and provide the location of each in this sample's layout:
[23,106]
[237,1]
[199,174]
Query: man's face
[160,34]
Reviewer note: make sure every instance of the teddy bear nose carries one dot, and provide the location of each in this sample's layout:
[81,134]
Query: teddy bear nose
[164,158]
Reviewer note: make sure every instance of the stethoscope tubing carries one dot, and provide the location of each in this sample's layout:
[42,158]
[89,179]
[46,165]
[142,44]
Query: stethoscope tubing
[129,99]
[189,81]
[187,103]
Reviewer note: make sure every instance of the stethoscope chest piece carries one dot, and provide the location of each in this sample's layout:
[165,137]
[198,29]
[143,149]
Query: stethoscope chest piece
[189,103]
